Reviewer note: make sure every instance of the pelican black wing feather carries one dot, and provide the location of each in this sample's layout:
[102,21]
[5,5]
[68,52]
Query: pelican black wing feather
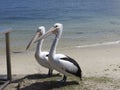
[79,72]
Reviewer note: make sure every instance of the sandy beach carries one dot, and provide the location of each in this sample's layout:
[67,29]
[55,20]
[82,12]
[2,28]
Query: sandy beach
[101,61]
[91,36]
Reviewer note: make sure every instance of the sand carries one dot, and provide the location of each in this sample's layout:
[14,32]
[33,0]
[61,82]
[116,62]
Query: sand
[99,61]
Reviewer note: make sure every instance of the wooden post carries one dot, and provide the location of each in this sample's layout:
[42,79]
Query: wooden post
[8,59]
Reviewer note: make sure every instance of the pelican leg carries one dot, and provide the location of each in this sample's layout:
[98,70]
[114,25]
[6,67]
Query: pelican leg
[64,78]
[50,72]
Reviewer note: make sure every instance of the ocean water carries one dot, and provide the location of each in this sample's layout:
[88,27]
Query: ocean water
[86,22]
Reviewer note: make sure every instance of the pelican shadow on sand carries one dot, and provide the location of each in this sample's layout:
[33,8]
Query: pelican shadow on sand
[41,82]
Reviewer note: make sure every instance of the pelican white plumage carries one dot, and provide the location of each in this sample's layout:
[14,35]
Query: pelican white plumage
[61,62]
[41,56]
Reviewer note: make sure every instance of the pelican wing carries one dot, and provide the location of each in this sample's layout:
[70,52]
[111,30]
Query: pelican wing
[70,65]
[67,58]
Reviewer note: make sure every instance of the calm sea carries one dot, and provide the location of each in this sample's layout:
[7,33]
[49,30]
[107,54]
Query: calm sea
[86,22]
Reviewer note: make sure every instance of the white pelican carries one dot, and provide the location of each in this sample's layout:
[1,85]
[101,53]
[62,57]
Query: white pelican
[41,57]
[61,62]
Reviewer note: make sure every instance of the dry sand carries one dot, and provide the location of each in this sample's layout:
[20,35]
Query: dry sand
[101,61]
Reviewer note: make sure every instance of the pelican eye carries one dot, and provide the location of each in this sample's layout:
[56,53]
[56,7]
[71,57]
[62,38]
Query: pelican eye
[47,55]
[56,26]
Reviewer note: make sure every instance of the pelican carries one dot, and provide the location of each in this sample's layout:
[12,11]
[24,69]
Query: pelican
[40,56]
[60,62]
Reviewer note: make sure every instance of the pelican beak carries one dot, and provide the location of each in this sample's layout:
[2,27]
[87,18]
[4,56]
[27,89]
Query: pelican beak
[37,34]
[48,33]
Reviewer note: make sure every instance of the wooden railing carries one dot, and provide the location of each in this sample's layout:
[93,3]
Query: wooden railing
[4,82]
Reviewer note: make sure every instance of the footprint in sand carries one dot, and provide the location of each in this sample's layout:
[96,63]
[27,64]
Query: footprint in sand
[115,69]
[106,69]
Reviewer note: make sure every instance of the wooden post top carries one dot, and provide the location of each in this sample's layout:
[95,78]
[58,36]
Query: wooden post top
[5,30]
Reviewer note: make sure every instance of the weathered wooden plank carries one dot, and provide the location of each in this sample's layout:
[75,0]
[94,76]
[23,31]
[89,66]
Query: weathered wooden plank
[8,59]
[3,85]
[4,82]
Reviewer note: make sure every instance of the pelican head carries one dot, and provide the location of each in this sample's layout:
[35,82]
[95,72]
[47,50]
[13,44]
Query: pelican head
[40,32]
[56,29]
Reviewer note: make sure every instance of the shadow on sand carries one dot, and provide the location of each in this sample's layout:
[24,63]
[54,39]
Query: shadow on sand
[48,85]
[41,82]
[35,77]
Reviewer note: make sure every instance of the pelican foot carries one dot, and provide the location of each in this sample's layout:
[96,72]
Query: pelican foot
[50,74]
[63,80]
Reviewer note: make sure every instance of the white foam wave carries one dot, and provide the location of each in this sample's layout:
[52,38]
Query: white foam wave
[99,44]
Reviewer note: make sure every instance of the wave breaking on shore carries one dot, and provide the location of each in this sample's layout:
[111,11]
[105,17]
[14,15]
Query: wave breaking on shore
[99,44]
